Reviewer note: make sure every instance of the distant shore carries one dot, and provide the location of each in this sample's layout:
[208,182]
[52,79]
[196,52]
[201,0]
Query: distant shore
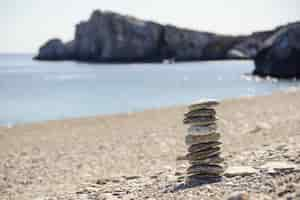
[56,157]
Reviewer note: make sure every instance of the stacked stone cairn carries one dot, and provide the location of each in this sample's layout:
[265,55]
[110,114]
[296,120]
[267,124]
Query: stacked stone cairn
[203,144]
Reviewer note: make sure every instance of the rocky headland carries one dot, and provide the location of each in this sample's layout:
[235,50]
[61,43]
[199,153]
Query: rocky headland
[110,37]
[280,53]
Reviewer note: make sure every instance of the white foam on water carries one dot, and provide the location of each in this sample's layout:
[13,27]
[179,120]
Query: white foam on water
[247,77]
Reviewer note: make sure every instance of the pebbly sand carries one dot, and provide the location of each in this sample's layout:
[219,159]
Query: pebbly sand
[134,156]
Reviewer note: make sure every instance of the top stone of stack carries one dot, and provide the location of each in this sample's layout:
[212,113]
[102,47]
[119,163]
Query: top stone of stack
[203,104]
[201,113]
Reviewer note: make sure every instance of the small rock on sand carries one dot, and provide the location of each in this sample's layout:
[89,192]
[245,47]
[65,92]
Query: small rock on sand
[276,166]
[240,171]
[239,196]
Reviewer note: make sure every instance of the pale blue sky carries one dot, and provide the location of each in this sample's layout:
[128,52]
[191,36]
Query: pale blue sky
[26,24]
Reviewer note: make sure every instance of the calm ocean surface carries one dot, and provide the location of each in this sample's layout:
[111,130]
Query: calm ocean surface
[36,91]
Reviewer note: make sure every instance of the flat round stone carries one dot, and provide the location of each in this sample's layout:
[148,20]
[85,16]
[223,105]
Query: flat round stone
[204,146]
[203,123]
[204,103]
[240,171]
[202,179]
[201,112]
[202,130]
[191,120]
[203,154]
[191,139]
[214,160]
[205,170]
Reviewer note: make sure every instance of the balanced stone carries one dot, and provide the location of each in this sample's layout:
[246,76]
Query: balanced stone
[203,154]
[203,146]
[203,104]
[203,119]
[201,112]
[202,130]
[202,179]
[198,139]
[214,160]
[205,169]
[204,123]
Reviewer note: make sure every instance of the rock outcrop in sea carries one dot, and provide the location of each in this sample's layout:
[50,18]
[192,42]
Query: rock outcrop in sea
[55,49]
[280,54]
[111,37]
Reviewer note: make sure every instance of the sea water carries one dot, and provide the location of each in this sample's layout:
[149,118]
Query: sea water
[32,91]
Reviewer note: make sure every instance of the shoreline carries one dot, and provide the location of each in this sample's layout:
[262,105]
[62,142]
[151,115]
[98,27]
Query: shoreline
[56,157]
[177,106]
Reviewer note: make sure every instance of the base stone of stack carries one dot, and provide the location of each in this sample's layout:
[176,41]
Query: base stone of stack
[205,169]
[201,180]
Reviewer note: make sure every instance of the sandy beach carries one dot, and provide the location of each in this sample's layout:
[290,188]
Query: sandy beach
[67,159]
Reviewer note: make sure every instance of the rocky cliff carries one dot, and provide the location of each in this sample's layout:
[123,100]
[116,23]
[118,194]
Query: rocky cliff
[111,37]
[280,53]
